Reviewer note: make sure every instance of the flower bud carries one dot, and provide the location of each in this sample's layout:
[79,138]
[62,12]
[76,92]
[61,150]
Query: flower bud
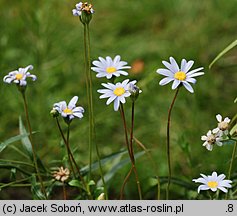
[101,196]
[135,91]
[54,113]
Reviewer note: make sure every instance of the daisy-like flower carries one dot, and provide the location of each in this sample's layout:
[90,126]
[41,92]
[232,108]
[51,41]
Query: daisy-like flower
[116,92]
[19,76]
[69,111]
[107,67]
[213,182]
[223,125]
[211,139]
[61,174]
[179,75]
[82,7]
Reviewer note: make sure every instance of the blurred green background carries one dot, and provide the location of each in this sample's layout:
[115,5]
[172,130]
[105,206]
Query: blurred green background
[45,34]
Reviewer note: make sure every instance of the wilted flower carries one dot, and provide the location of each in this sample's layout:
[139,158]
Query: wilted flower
[107,67]
[223,125]
[116,92]
[213,182]
[83,7]
[62,174]
[69,111]
[211,139]
[19,76]
[179,76]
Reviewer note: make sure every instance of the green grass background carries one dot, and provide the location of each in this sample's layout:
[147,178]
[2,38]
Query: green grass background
[45,34]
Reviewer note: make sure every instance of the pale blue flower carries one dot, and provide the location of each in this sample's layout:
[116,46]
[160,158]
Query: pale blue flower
[69,111]
[179,76]
[19,76]
[116,92]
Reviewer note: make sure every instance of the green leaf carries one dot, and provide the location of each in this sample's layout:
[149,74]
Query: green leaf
[35,189]
[8,165]
[227,49]
[235,101]
[233,130]
[228,142]
[11,140]
[103,161]
[120,164]
[25,140]
[27,145]
[76,183]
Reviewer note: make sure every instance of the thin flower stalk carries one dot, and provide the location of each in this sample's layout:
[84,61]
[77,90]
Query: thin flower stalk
[130,152]
[89,86]
[231,162]
[71,158]
[64,192]
[32,146]
[168,142]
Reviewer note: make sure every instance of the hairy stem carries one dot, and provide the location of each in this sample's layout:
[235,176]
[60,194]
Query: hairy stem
[168,143]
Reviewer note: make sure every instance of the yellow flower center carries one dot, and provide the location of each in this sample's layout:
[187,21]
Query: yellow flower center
[68,111]
[110,69]
[180,75]
[119,91]
[19,76]
[212,184]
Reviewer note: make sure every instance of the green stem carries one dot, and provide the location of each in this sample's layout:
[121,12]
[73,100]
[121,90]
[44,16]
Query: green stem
[130,152]
[231,162]
[168,142]
[32,146]
[87,72]
[66,144]
[91,107]
[70,155]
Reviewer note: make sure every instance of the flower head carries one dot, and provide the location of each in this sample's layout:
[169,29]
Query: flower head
[108,67]
[179,75]
[223,125]
[213,182]
[116,92]
[19,76]
[83,7]
[61,174]
[69,111]
[212,138]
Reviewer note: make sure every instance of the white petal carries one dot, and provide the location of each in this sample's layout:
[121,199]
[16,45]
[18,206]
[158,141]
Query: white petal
[195,74]
[191,80]
[188,66]
[227,120]
[218,117]
[203,187]
[166,80]
[116,104]
[223,189]
[117,59]
[165,72]
[175,84]
[188,86]
[194,71]
[111,99]
[183,64]
[174,64]
[72,102]
[203,138]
